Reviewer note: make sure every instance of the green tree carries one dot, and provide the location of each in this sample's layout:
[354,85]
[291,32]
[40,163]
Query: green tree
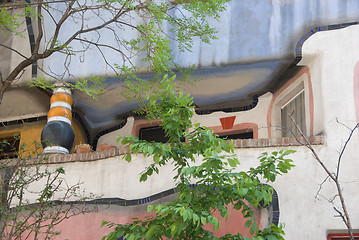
[217,184]
[152,23]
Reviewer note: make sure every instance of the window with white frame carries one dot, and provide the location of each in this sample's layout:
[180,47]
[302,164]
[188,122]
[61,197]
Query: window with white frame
[295,108]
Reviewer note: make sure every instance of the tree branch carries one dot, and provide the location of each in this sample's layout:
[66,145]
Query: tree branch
[344,147]
[333,176]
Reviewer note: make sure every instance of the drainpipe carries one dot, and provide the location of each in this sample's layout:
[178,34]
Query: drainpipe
[58,135]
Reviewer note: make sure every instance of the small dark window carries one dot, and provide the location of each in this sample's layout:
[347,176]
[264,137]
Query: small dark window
[9,147]
[245,135]
[155,134]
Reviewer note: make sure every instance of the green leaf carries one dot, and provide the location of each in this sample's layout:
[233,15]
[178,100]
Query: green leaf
[173,228]
[128,157]
[185,215]
[243,191]
[131,237]
[248,223]
[111,236]
[195,218]
[156,158]
[151,230]
[189,197]
[253,227]
[119,234]
[271,237]
[232,162]
[150,150]
[143,178]
[103,223]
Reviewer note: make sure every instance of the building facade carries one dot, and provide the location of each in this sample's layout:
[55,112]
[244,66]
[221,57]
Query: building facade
[271,59]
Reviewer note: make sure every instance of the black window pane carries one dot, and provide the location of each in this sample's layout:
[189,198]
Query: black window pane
[9,147]
[156,134]
[246,135]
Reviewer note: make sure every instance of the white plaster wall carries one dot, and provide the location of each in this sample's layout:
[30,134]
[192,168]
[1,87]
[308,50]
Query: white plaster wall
[337,52]
[113,177]
[257,115]
[331,57]
[313,60]
[304,216]
[10,59]
[111,138]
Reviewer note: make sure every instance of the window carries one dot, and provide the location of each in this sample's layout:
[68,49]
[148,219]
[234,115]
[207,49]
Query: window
[341,236]
[9,147]
[238,131]
[156,134]
[245,135]
[295,108]
[296,94]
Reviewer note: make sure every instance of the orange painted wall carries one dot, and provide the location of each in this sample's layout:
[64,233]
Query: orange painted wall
[30,135]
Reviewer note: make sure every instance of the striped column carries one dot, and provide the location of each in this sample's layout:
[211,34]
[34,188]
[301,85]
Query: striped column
[58,135]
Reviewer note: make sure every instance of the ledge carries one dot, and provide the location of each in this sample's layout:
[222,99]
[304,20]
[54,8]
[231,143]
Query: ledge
[238,143]
[276,142]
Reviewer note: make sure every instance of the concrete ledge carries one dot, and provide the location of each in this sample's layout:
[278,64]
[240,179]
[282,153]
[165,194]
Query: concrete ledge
[238,143]
[276,142]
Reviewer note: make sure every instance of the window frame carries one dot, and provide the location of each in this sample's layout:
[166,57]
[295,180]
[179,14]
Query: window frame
[283,97]
[285,132]
[236,129]
[15,140]
[338,236]
[143,123]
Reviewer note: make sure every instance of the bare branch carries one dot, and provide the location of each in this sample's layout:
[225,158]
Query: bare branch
[309,146]
[335,177]
[39,27]
[321,186]
[14,50]
[341,215]
[344,147]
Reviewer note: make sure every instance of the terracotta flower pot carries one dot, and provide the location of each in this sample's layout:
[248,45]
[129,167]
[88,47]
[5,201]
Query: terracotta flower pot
[84,148]
[227,122]
[105,147]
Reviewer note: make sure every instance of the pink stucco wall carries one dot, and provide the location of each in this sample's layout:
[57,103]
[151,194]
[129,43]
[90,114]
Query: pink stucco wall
[88,226]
